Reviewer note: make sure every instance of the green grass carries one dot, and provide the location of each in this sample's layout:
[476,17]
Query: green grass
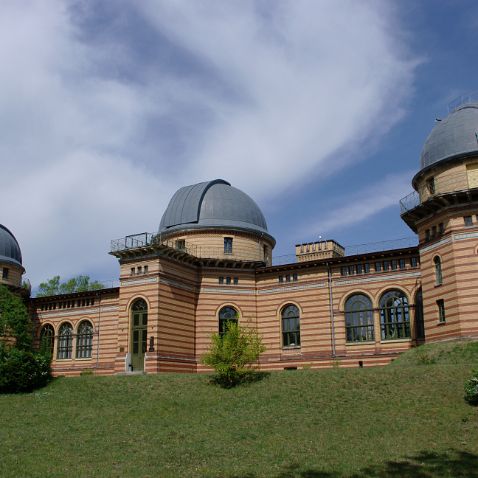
[395,421]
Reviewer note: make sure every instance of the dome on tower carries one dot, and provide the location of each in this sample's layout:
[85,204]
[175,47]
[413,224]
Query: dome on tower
[454,137]
[9,249]
[212,205]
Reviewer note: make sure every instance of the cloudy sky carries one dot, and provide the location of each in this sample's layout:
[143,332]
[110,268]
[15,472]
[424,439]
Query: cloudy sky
[316,108]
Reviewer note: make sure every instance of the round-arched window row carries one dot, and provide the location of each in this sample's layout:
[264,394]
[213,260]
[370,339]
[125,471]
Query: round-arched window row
[84,340]
[394,317]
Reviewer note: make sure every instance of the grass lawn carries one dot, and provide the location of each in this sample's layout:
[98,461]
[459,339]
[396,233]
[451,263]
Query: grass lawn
[404,420]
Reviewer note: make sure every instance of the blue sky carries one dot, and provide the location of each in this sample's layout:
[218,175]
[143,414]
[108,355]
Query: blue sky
[316,109]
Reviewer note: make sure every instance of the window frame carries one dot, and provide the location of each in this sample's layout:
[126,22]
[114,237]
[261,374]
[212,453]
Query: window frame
[359,322]
[290,331]
[228,245]
[84,340]
[394,315]
[226,314]
[438,270]
[64,349]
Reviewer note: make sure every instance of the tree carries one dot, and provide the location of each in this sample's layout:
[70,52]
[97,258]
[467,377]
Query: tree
[80,283]
[21,368]
[233,353]
[15,322]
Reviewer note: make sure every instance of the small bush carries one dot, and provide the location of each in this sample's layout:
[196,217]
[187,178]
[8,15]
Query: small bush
[232,354]
[471,389]
[22,370]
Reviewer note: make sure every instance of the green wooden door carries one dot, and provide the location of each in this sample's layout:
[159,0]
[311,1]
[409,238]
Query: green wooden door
[139,334]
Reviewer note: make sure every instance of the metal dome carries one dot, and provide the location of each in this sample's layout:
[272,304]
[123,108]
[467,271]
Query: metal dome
[453,137]
[212,204]
[9,249]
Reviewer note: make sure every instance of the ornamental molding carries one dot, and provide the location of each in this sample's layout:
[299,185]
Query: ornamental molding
[177,284]
[146,280]
[47,314]
[388,277]
[218,290]
[431,247]
[290,288]
[461,236]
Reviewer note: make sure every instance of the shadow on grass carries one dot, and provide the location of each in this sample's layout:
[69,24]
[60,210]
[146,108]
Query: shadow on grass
[251,376]
[453,463]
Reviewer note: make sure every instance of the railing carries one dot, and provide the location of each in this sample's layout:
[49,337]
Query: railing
[354,249]
[204,252]
[463,100]
[409,202]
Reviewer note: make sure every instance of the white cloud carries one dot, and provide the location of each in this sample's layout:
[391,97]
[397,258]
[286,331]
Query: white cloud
[360,206]
[100,124]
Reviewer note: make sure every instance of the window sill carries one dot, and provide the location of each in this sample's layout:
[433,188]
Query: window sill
[438,285]
[365,342]
[291,347]
[387,341]
[441,323]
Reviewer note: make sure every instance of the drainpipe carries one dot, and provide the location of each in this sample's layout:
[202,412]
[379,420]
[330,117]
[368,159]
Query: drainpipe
[331,307]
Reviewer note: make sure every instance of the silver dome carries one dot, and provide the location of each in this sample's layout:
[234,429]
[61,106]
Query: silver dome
[9,249]
[453,137]
[212,204]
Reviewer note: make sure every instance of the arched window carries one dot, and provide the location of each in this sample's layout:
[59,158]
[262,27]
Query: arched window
[226,315]
[359,318]
[290,326]
[84,340]
[394,315]
[47,336]
[438,272]
[65,341]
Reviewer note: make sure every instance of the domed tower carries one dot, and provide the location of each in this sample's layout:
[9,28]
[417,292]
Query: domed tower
[11,268]
[443,211]
[215,220]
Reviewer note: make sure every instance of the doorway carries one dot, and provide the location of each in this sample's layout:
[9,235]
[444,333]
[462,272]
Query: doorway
[139,334]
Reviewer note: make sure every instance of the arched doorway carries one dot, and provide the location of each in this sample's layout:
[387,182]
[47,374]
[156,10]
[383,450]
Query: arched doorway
[139,333]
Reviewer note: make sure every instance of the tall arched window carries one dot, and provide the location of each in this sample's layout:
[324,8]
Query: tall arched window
[394,315]
[359,318]
[438,272]
[84,340]
[47,336]
[65,341]
[290,326]
[226,315]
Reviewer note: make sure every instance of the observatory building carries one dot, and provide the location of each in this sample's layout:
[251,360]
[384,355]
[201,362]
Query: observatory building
[211,261]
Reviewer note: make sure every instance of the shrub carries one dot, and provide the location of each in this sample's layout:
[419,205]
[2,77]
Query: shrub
[22,370]
[471,389]
[232,354]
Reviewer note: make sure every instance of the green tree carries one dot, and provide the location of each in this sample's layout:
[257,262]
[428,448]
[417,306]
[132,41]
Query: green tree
[80,283]
[232,354]
[15,322]
[21,368]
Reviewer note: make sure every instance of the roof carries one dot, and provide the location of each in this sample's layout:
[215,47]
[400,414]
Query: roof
[9,248]
[453,137]
[212,204]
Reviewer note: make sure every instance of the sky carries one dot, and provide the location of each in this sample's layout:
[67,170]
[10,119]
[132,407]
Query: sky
[318,109]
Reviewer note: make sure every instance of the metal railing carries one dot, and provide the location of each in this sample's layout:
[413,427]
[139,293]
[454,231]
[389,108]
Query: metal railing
[355,249]
[462,100]
[204,252]
[409,202]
